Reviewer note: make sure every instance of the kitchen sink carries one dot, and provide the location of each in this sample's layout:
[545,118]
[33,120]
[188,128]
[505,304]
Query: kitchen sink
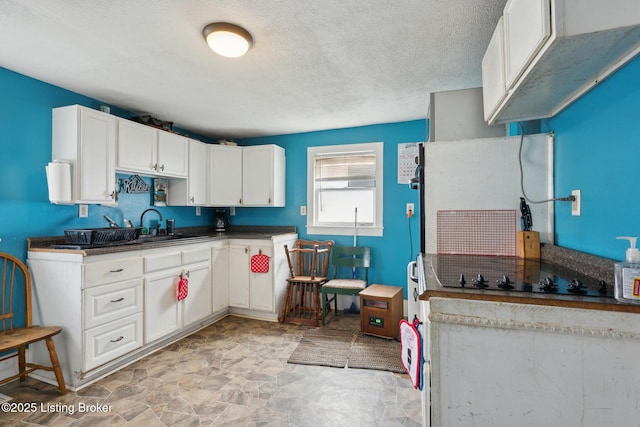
[181,237]
[149,238]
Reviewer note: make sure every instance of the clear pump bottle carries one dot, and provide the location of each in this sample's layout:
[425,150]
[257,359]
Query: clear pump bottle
[627,273]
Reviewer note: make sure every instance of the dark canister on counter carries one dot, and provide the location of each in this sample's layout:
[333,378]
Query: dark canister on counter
[171,224]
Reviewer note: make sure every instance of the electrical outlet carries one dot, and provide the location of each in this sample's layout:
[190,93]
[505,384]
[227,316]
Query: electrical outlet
[303,210]
[410,209]
[232,210]
[83,211]
[198,211]
[575,204]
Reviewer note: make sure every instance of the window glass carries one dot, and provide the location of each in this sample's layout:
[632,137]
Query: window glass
[345,186]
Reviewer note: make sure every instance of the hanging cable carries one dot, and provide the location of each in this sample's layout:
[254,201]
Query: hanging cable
[410,238]
[559,199]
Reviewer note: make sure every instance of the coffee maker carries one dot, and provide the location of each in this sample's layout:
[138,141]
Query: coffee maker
[222,220]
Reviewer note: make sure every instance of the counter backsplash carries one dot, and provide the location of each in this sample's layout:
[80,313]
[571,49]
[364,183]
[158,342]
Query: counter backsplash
[589,265]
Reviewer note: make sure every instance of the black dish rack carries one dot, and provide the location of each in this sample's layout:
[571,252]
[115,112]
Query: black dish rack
[101,236]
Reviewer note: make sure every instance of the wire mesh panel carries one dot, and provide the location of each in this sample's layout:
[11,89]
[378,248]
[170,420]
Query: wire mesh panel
[477,232]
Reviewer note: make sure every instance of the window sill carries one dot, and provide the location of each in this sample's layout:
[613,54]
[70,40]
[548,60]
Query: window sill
[345,231]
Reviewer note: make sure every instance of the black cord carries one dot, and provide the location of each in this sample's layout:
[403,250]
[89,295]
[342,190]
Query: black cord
[410,240]
[559,199]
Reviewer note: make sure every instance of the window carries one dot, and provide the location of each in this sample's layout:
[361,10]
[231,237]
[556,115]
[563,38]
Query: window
[341,179]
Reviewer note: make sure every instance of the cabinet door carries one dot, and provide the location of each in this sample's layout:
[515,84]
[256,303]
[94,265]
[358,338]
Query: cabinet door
[493,87]
[197,304]
[97,157]
[257,176]
[225,175]
[161,308]
[173,152]
[239,270]
[261,284]
[527,25]
[220,276]
[137,146]
[197,180]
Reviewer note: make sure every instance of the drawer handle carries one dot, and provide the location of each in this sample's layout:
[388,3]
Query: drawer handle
[120,270]
[118,300]
[119,339]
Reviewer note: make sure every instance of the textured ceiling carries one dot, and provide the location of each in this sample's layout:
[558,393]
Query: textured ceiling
[314,65]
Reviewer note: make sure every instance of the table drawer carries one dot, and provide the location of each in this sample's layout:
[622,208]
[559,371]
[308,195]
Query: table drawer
[162,262]
[103,304]
[101,273]
[107,342]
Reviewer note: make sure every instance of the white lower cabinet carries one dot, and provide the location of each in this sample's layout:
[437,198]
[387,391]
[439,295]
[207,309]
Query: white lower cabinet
[251,289]
[117,308]
[239,269]
[256,292]
[107,342]
[197,267]
[164,313]
[220,276]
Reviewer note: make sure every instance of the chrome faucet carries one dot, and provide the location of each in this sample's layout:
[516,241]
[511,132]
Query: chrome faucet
[111,222]
[150,209]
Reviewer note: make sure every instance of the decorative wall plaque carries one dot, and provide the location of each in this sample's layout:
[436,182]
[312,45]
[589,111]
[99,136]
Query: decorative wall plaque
[134,185]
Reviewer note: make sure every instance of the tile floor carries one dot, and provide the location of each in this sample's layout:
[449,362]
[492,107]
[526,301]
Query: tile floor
[232,373]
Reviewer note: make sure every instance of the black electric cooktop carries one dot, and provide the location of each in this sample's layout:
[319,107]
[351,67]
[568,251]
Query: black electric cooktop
[510,274]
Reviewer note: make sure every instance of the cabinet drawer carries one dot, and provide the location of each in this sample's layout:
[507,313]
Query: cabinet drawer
[103,304]
[107,342]
[162,261]
[190,257]
[101,273]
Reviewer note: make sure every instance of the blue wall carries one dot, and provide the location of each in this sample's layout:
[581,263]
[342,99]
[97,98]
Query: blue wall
[25,139]
[597,150]
[25,211]
[391,252]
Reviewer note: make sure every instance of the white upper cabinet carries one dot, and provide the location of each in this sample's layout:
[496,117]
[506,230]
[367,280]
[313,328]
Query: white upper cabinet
[137,147]
[87,139]
[225,175]
[493,86]
[263,175]
[554,52]
[172,154]
[527,25]
[149,151]
[193,190]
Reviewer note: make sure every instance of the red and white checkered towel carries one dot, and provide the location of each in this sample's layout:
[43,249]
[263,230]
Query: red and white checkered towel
[260,263]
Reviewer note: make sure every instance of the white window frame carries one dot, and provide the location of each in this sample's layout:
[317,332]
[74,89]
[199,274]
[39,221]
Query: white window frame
[348,230]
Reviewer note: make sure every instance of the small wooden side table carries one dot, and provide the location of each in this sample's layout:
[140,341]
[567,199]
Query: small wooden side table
[381,310]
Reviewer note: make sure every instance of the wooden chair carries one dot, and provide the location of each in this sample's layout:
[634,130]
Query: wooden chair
[350,274]
[15,285]
[308,270]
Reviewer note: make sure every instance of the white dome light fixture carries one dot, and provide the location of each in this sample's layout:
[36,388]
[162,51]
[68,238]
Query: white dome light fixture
[227,39]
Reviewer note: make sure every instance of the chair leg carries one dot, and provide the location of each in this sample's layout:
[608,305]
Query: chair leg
[55,363]
[287,304]
[316,305]
[22,364]
[323,305]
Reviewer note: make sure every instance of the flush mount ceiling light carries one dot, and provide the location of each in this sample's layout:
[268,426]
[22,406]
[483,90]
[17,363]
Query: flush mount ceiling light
[227,39]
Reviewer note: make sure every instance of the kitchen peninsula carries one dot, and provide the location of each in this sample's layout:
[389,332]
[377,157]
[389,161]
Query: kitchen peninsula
[515,358]
[119,303]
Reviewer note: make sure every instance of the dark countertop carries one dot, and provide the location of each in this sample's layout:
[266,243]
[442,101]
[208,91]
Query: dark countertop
[184,236]
[592,266]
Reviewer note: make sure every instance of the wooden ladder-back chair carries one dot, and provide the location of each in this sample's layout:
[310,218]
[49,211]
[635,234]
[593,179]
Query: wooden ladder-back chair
[15,285]
[308,270]
[350,274]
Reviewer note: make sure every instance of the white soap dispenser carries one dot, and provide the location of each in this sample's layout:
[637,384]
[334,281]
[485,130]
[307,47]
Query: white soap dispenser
[628,274]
